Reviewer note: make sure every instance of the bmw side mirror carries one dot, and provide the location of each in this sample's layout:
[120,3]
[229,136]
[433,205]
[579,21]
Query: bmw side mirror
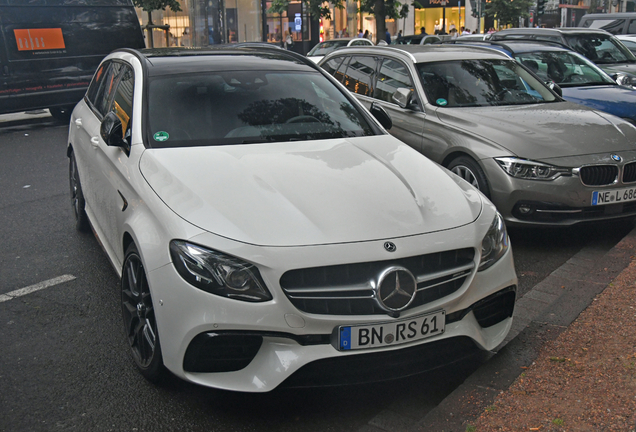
[381,115]
[554,87]
[404,98]
[111,131]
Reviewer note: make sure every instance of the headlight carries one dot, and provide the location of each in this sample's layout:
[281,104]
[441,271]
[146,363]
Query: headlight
[217,273]
[494,244]
[626,79]
[531,170]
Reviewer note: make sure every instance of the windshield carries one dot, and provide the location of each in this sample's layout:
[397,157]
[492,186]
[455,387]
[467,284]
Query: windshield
[567,69]
[472,83]
[325,48]
[600,48]
[241,107]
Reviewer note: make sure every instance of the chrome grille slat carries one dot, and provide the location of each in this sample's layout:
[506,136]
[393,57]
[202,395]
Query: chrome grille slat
[432,276]
[340,289]
[463,275]
[350,288]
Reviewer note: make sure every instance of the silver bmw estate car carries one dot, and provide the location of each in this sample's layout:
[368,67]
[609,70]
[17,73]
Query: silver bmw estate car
[477,112]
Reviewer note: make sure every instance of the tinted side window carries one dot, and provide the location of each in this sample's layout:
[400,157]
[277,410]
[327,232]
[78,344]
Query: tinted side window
[103,98]
[360,75]
[331,66]
[392,76]
[97,81]
[123,98]
[632,27]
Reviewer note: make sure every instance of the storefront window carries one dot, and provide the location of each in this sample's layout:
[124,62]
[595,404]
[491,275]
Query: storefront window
[432,18]
[289,23]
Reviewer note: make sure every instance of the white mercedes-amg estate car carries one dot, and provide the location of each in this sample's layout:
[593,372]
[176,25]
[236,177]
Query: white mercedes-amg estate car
[268,230]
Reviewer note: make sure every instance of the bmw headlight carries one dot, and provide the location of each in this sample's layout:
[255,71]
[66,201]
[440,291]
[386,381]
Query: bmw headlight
[625,79]
[494,244]
[217,273]
[531,170]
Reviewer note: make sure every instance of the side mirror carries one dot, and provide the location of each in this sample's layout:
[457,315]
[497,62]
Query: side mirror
[111,131]
[554,87]
[381,115]
[404,98]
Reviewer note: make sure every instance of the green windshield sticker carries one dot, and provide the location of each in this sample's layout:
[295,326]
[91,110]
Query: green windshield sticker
[440,102]
[161,136]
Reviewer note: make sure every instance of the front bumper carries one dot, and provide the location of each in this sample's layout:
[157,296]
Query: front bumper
[276,340]
[561,202]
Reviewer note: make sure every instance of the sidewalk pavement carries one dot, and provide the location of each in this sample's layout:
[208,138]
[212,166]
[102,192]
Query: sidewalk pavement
[570,361]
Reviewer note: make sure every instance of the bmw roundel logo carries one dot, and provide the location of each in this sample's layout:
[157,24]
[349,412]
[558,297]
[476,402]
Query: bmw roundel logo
[390,247]
[616,158]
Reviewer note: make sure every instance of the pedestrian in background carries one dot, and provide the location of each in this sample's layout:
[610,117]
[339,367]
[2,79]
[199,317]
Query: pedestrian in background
[387,37]
[366,34]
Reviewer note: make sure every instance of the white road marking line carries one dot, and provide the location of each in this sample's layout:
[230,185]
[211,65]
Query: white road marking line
[37,287]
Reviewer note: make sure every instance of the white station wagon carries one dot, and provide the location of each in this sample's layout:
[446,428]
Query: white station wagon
[267,229]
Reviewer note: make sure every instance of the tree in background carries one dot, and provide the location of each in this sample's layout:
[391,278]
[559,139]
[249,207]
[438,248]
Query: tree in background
[151,5]
[383,9]
[508,12]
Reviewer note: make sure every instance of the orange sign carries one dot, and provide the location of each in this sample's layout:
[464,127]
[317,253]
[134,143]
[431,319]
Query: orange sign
[39,39]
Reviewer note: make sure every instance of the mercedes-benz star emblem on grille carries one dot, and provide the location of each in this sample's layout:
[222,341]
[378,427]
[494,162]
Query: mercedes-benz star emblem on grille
[396,289]
[390,247]
[616,158]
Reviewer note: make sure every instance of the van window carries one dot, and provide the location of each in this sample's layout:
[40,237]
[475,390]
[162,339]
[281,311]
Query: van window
[632,27]
[614,26]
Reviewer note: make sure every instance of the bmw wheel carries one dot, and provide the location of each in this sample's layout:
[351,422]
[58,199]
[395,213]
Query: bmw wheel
[469,170]
[139,317]
[77,197]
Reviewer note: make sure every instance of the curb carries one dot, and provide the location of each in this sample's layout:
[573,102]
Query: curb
[540,316]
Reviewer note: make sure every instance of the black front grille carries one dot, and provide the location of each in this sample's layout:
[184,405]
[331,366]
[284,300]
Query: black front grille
[598,175]
[629,173]
[346,289]
[384,365]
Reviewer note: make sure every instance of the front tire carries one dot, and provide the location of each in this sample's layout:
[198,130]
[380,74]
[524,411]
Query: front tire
[139,316]
[468,169]
[77,196]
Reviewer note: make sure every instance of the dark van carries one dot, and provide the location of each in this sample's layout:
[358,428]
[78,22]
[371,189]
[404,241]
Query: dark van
[50,49]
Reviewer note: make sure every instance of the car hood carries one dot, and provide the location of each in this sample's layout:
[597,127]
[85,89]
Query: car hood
[613,68]
[614,99]
[310,192]
[542,131]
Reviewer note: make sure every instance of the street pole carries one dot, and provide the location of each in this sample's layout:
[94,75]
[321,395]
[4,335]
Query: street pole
[443,3]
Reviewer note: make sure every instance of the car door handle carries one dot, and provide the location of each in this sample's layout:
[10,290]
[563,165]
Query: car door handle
[78,122]
[95,141]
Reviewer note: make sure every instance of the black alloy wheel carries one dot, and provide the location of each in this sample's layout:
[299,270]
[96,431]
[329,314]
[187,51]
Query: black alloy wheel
[77,197]
[469,170]
[138,312]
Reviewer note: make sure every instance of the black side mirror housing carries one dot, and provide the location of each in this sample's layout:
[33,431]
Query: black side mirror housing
[381,115]
[111,131]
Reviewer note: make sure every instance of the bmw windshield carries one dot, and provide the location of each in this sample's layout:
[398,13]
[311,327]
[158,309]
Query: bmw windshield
[474,83]
[245,107]
[600,48]
[567,69]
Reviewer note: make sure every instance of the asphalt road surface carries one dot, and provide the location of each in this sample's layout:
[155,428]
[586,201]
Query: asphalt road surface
[64,362]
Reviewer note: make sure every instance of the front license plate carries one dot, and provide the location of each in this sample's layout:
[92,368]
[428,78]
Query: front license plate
[614,196]
[391,333]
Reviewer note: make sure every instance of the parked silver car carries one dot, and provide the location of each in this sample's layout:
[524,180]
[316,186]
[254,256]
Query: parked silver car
[540,159]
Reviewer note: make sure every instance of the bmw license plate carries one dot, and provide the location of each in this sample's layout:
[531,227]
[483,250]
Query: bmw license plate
[391,333]
[613,196]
